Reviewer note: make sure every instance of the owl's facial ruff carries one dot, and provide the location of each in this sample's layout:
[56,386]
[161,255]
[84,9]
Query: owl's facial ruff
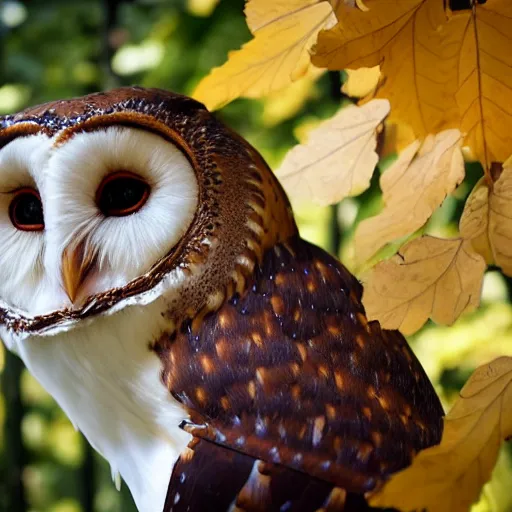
[206,186]
[83,247]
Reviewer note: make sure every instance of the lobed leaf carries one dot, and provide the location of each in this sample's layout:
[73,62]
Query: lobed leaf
[339,156]
[413,187]
[487,219]
[279,53]
[428,277]
[441,69]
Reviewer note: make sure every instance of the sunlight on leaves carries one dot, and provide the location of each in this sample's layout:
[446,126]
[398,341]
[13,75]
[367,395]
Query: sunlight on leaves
[484,86]
[339,157]
[132,58]
[441,70]
[397,136]
[487,219]
[428,277]
[279,53]
[450,476]
[413,187]
[64,442]
[284,104]
[361,82]
[398,34]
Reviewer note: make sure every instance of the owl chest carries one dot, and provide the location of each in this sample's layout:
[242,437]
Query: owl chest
[109,384]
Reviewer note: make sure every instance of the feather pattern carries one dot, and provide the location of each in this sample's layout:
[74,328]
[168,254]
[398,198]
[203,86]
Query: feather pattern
[291,372]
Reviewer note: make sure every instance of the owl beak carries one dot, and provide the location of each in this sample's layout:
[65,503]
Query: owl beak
[76,265]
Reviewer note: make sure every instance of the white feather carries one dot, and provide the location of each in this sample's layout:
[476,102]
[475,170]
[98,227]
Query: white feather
[126,246]
[24,283]
[101,371]
[107,381]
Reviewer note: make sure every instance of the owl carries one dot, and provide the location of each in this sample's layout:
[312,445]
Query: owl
[153,280]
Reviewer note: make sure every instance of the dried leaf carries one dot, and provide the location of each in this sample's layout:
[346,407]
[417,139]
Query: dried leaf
[397,136]
[428,277]
[487,220]
[339,156]
[413,187]
[474,222]
[284,31]
[361,82]
[441,71]
[484,79]
[259,13]
[450,476]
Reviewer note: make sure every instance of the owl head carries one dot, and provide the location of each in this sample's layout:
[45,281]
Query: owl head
[123,215]
[103,199]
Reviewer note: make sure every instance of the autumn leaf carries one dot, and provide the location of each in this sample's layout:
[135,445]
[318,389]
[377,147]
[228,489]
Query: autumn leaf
[286,103]
[413,187]
[260,13]
[396,137]
[484,79]
[284,31]
[339,156]
[450,476]
[361,82]
[428,277]
[441,70]
[487,220]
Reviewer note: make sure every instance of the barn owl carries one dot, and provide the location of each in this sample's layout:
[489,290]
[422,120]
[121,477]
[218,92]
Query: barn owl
[153,280]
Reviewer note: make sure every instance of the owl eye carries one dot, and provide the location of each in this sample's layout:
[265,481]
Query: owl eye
[122,193]
[26,210]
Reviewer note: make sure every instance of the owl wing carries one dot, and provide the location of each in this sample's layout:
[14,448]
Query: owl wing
[210,477]
[290,387]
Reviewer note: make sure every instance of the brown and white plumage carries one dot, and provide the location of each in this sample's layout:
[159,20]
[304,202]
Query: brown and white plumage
[201,317]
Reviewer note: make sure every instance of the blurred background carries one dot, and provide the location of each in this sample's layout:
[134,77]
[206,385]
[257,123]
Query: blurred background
[51,50]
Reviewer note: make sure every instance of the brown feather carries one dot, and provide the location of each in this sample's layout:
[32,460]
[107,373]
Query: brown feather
[292,373]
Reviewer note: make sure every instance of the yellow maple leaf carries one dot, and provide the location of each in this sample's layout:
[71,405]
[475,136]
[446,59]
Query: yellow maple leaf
[284,31]
[338,158]
[487,219]
[441,70]
[450,476]
[413,187]
[428,277]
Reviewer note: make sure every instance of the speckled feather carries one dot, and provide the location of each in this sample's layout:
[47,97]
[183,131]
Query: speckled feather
[199,483]
[291,372]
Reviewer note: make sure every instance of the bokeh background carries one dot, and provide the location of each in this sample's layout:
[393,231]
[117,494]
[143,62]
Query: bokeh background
[51,50]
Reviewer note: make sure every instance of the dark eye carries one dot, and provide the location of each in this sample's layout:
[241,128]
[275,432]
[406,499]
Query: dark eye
[26,210]
[122,193]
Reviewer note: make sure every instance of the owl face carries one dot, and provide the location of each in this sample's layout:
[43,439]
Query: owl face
[118,198]
[89,214]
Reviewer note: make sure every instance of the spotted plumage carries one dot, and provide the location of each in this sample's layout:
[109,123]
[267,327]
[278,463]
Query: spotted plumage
[168,303]
[290,372]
